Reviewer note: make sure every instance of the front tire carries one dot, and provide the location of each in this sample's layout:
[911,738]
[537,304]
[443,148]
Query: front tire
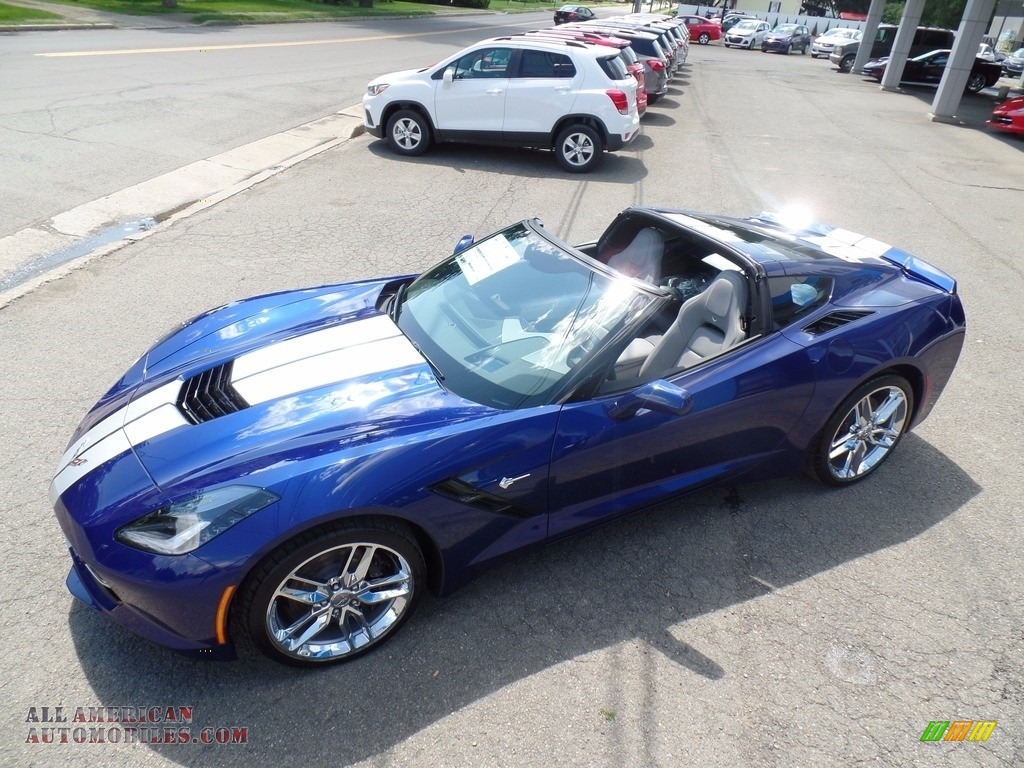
[846,63]
[330,595]
[579,148]
[975,82]
[408,133]
[864,431]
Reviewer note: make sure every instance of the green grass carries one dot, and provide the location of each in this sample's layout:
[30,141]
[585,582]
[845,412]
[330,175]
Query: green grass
[14,14]
[254,10]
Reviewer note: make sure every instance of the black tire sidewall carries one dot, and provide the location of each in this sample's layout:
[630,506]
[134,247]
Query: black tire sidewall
[424,125]
[265,579]
[819,464]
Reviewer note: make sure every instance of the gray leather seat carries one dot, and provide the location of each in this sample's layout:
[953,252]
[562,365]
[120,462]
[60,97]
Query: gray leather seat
[706,325]
[642,257]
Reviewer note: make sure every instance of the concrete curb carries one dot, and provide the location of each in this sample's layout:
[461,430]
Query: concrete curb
[165,200]
[55,26]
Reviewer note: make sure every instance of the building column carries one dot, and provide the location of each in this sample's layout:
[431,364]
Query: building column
[965,49]
[870,28]
[901,45]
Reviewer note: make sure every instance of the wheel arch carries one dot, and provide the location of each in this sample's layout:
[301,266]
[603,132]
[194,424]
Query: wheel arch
[588,120]
[397,106]
[913,376]
[432,557]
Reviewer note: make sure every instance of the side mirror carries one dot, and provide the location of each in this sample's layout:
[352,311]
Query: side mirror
[448,76]
[661,396]
[464,242]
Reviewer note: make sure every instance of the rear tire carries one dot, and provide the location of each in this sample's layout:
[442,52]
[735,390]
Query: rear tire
[975,82]
[408,133]
[579,148]
[864,431]
[704,38]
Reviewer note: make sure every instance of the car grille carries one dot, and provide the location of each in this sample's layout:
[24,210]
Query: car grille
[210,394]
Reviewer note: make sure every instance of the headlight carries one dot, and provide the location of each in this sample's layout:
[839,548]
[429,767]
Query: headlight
[375,89]
[186,525]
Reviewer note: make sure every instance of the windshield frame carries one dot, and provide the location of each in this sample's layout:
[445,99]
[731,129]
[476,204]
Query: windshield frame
[481,330]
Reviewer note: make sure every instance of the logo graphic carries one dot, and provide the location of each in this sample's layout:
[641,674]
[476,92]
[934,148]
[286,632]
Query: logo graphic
[506,482]
[958,730]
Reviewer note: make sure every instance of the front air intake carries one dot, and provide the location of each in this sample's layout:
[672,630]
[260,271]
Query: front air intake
[209,395]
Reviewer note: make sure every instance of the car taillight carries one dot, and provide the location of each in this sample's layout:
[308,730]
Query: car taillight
[620,100]
[657,65]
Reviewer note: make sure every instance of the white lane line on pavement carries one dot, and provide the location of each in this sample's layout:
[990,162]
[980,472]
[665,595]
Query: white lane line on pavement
[241,46]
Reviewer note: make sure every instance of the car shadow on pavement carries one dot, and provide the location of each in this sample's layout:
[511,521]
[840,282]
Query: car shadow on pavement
[616,167]
[657,119]
[636,579]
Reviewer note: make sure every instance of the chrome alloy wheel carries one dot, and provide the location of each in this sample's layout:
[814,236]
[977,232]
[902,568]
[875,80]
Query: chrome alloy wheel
[339,601]
[407,134]
[578,149]
[868,433]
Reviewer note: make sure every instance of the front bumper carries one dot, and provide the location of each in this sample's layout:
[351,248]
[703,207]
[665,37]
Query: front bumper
[372,113]
[739,42]
[85,587]
[776,45]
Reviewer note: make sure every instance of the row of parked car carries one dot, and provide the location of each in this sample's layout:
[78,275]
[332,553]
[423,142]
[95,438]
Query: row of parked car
[578,89]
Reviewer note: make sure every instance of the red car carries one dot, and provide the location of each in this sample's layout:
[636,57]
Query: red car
[701,29]
[633,64]
[1009,116]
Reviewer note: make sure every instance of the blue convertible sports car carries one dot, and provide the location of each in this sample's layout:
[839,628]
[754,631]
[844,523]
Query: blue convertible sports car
[292,471]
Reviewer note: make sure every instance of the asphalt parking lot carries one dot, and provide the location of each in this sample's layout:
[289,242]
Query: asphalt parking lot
[768,624]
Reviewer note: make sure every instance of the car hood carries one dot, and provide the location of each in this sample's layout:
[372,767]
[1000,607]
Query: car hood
[256,381]
[398,77]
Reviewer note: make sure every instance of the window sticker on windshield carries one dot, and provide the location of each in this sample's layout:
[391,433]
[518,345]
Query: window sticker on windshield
[486,259]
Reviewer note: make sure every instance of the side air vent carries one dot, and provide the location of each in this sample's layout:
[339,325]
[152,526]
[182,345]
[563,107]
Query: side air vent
[465,493]
[209,394]
[834,320]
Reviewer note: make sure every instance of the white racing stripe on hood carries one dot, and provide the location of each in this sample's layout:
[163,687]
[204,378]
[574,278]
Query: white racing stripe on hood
[362,348]
[317,359]
[151,414]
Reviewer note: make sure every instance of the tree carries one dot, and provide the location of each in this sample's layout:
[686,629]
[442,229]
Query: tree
[937,13]
[834,7]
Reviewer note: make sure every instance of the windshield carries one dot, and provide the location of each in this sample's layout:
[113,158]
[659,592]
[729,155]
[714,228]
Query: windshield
[506,321]
[745,25]
[785,29]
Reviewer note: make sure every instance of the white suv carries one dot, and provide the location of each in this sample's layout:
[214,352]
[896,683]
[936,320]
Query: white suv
[569,96]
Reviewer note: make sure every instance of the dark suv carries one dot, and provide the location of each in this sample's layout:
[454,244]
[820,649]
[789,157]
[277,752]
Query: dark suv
[925,39]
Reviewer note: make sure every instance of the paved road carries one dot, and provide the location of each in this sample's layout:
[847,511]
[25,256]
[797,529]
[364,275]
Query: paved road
[771,624]
[81,116]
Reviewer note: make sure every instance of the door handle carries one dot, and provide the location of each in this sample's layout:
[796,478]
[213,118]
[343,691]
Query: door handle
[563,88]
[494,91]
